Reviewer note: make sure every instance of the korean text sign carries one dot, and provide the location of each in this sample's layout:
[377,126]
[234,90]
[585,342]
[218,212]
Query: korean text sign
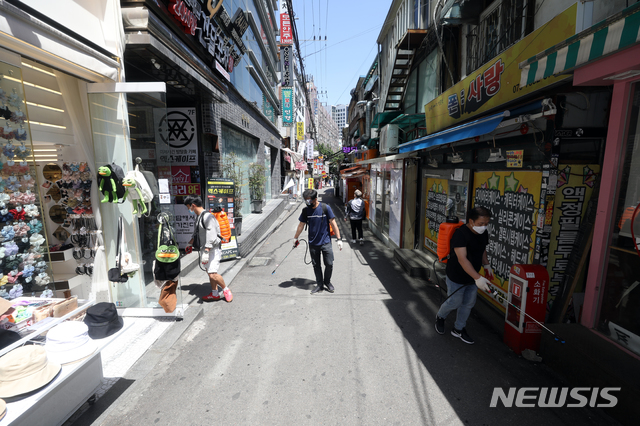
[498,81]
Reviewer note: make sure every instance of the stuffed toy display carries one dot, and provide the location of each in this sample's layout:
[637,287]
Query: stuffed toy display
[135,195]
[110,183]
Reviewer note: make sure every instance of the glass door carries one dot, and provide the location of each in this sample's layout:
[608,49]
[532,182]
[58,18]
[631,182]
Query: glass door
[129,126]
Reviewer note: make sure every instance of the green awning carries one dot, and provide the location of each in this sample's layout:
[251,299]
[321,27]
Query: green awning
[407,120]
[372,142]
[609,36]
[383,118]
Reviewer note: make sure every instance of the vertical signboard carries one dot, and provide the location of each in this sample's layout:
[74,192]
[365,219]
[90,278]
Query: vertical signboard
[395,205]
[285,58]
[299,130]
[287,106]
[574,188]
[286,33]
[267,109]
[513,198]
[435,211]
[309,149]
[220,192]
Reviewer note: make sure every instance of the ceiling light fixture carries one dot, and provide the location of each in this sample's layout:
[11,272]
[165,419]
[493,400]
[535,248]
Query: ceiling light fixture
[456,157]
[432,161]
[172,82]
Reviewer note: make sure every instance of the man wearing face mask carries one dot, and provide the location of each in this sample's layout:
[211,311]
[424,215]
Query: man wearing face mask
[208,232]
[468,254]
[319,238]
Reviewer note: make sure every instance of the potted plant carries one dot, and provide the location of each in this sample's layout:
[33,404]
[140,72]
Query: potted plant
[232,169]
[257,180]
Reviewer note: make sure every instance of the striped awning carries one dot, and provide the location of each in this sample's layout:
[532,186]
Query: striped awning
[615,33]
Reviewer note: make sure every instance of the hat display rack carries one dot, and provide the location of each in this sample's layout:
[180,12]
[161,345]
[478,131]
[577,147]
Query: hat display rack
[23,240]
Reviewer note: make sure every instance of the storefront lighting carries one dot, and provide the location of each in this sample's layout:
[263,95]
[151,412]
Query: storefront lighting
[45,150]
[38,69]
[432,162]
[46,89]
[56,126]
[179,86]
[103,106]
[172,82]
[45,107]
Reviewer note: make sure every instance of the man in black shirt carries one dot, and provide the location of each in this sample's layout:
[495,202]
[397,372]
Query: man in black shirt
[468,254]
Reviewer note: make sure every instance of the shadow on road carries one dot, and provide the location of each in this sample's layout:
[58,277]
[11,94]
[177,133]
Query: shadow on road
[465,374]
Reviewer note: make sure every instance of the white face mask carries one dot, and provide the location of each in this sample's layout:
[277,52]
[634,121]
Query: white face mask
[480,229]
[309,202]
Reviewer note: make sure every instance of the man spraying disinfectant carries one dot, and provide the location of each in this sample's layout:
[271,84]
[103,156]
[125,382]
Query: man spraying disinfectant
[468,255]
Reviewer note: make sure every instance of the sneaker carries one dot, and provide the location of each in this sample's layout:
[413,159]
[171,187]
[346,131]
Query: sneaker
[210,297]
[439,325]
[330,288]
[353,241]
[318,289]
[361,241]
[463,335]
[227,294]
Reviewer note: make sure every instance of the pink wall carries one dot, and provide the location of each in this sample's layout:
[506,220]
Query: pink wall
[594,75]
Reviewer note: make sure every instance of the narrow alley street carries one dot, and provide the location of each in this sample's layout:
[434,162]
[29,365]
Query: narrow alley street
[366,355]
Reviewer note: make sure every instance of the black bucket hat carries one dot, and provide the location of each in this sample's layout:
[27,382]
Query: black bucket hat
[102,320]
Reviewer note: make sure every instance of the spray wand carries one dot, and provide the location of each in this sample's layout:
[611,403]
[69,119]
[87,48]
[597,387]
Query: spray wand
[501,299]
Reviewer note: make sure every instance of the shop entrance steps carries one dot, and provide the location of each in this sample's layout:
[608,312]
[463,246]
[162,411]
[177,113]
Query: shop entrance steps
[415,262]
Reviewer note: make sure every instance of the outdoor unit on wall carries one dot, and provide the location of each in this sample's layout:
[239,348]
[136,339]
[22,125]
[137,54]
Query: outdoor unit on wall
[389,138]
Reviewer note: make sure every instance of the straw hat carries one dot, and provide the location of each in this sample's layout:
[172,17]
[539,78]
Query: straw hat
[69,342]
[3,408]
[25,369]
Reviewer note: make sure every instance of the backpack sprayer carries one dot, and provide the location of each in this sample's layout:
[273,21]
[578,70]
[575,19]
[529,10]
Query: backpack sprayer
[445,234]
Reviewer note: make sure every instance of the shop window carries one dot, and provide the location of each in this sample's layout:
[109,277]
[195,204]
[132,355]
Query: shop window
[619,316]
[501,25]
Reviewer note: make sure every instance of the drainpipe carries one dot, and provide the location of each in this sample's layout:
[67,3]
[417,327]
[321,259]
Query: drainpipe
[367,135]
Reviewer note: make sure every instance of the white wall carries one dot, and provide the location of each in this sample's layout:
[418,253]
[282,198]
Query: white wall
[99,21]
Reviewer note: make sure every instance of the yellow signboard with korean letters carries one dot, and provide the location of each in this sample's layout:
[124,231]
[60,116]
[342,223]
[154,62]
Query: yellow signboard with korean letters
[300,130]
[498,81]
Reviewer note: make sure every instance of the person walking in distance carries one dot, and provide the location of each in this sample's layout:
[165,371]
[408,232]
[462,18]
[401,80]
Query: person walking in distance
[318,216]
[355,211]
[207,231]
[468,254]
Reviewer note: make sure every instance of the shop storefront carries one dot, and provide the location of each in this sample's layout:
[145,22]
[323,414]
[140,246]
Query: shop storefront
[51,215]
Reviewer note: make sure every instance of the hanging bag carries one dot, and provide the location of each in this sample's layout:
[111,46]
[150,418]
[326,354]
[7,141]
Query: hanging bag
[115,274]
[167,265]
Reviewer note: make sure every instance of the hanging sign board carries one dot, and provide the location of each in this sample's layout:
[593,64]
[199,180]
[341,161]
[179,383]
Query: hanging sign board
[299,130]
[220,192]
[176,136]
[287,106]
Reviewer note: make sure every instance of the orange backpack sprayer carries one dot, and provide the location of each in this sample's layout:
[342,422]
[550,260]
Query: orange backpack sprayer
[444,237]
[225,228]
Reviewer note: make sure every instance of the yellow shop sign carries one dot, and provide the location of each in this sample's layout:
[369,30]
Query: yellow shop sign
[498,81]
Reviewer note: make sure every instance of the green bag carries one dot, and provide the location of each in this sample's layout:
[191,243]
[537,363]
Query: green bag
[168,251]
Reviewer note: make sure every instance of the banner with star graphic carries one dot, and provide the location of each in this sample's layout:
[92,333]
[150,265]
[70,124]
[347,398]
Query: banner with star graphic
[514,201]
[176,136]
[435,211]
[575,185]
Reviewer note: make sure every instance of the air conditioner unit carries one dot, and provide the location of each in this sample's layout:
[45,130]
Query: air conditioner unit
[389,138]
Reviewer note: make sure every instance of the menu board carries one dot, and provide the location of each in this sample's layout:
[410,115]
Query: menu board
[220,192]
[513,199]
[435,211]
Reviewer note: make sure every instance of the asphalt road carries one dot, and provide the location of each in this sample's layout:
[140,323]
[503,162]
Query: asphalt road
[366,355]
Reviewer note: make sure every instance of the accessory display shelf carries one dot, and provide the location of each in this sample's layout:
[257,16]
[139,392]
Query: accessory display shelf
[76,383]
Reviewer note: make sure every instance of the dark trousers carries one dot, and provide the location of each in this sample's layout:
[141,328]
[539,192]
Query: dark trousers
[327,257]
[356,224]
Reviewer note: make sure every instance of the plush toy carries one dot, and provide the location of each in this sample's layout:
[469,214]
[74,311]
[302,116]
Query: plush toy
[134,193]
[110,183]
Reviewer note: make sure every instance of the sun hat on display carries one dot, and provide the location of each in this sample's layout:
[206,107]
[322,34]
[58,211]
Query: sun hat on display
[69,342]
[3,408]
[103,320]
[25,369]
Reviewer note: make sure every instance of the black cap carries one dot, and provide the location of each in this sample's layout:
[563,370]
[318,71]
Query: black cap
[103,320]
